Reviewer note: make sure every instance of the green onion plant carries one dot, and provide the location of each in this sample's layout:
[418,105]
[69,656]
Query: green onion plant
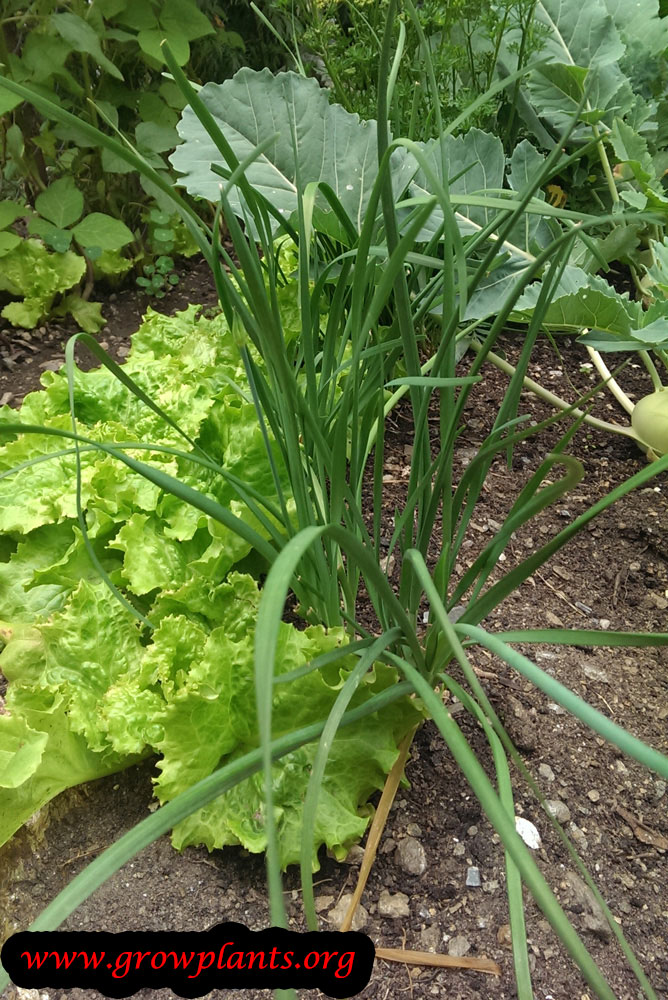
[322,398]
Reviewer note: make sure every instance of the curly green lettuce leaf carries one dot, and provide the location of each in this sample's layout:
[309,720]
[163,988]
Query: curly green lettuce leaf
[40,752]
[30,272]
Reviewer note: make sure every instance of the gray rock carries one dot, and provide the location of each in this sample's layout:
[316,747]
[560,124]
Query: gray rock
[594,919]
[411,856]
[595,673]
[393,906]
[578,836]
[558,809]
[459,946]
[338,912]
[473,877]
[430,938]
[546,772]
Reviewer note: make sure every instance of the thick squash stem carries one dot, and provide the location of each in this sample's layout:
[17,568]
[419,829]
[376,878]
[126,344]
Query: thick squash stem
[610,383]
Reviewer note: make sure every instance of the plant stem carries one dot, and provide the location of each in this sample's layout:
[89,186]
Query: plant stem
[651,368]
[610,382]
[605,163]
[556,401]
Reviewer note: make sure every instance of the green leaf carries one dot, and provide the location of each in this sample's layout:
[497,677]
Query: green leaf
[156,138]
[172,95]
[580,34]
[111,263]
[152,108]
[54,237]
[14,140]
[30,271]
[100,230]
[634,198]
[150,43]
[10,211]
[88,315]
[152,561]
[582,45]
[40,740]
[83,38]
[557,91]
[118,35]
[61,203]
[583,301]
[44,57]
[8,101]
[111,9]
[617,245]
[26,314]
[476,161]
[183,17]
[631,148]
[114,164]
[331,145]
[639,25]
[24,597]
[8,241]
[650,334]
[138,14]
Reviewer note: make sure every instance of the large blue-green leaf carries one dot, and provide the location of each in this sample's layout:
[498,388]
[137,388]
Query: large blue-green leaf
[584,49]
[475,162]
[582,300]
[325,142]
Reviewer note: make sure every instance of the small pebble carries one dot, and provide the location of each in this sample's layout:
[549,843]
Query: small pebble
[593,795]
[473,877]
[430,938]
[596,673]
[559,810]
[528,832]
[578,836]
[412,857]
[393,906]
[503,936]
[338,912]
[459,946]
[546,772]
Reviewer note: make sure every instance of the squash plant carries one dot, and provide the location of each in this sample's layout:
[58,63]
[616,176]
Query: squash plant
[318,339]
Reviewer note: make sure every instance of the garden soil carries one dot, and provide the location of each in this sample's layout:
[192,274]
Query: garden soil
[614,575]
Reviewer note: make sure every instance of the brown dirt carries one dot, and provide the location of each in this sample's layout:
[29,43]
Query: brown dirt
[613,575]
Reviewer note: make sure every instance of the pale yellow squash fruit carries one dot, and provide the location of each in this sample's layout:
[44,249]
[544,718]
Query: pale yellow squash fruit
[650,421]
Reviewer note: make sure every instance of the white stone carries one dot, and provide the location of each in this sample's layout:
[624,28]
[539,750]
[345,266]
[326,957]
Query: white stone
[528,832]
